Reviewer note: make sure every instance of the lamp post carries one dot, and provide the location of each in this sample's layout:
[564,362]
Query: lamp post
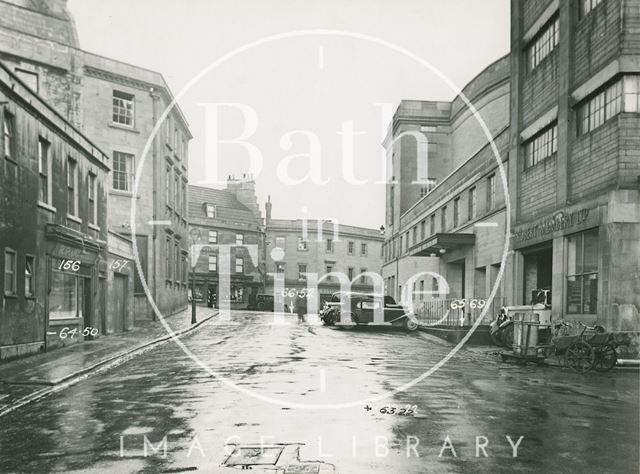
[195,237]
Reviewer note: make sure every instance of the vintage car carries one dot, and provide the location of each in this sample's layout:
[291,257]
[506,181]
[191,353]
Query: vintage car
[264,302]
[349,309]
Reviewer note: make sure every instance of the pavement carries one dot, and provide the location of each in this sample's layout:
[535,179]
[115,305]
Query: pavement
[272,395]
[30,378]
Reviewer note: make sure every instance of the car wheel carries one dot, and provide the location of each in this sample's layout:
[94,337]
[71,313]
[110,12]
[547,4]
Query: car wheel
[350,317]
[410,324]
[260,306]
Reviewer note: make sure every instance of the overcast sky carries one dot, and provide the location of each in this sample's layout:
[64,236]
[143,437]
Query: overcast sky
[314,83]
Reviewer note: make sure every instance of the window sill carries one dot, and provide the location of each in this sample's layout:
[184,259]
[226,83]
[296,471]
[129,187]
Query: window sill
[94,227]
[119,192]
[64,321]
[47,207]
[75,219]
[11,295]
[123,127]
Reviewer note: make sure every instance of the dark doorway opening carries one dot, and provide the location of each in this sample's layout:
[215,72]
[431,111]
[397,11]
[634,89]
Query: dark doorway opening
[538,270]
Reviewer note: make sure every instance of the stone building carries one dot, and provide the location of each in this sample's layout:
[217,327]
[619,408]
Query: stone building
[563,112]
[53,226]
[297,250]
[117,105]
[230,263]
[445,202]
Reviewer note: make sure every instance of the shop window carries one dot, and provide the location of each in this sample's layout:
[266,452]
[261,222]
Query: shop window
[29,275]
[237,294]
[122,171]
[65,296]
[239,265]
[123,108]
[582,273]
[10,271]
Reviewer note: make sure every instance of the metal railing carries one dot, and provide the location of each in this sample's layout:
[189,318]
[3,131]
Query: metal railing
[457,311]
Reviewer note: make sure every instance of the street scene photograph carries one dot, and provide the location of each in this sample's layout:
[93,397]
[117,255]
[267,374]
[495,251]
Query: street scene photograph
[320,237]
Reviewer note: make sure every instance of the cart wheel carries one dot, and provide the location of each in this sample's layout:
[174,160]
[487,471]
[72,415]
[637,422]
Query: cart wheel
[606,358]
[580,356]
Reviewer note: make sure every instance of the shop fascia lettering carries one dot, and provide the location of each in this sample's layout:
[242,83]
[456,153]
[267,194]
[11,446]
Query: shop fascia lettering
[560,221]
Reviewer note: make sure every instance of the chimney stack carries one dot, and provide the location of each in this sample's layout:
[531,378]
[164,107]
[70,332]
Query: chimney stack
[267,208]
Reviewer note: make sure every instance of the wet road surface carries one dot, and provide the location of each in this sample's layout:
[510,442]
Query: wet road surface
[291,384]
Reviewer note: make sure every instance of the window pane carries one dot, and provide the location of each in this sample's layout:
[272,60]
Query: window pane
[590,258]
[590,294]
[574,295]
[63,297]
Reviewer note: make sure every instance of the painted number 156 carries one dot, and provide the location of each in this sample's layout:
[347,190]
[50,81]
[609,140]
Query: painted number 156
[66,264]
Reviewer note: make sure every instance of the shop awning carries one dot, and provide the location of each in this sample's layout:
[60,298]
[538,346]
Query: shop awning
[440,243]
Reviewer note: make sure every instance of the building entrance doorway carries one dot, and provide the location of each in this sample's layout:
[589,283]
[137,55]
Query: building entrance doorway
[456,279]
[538,270]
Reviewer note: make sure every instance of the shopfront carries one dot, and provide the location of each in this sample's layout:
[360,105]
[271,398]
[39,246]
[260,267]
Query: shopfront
[73,296]
[563,252]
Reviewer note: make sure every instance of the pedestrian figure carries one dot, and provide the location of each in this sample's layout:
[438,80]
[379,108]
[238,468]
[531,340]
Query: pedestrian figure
[301,306]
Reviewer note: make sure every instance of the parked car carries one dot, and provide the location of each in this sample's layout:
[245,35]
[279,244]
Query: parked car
[264,302]
[350,309]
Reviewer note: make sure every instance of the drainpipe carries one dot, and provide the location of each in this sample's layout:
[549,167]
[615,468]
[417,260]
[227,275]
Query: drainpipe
[154,154]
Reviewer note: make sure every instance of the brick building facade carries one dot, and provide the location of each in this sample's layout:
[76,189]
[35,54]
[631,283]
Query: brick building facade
[53,225]
[563,111]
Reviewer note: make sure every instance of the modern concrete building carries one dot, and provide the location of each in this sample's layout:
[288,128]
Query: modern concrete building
[53,226]
[445,202]
[117,105]
[297,248]
[563,112]
[230,263]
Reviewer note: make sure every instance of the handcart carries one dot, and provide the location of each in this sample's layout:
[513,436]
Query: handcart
[593,348]
[531,338]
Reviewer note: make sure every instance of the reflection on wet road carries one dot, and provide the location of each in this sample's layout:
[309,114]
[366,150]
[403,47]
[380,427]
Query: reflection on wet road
[473,405]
